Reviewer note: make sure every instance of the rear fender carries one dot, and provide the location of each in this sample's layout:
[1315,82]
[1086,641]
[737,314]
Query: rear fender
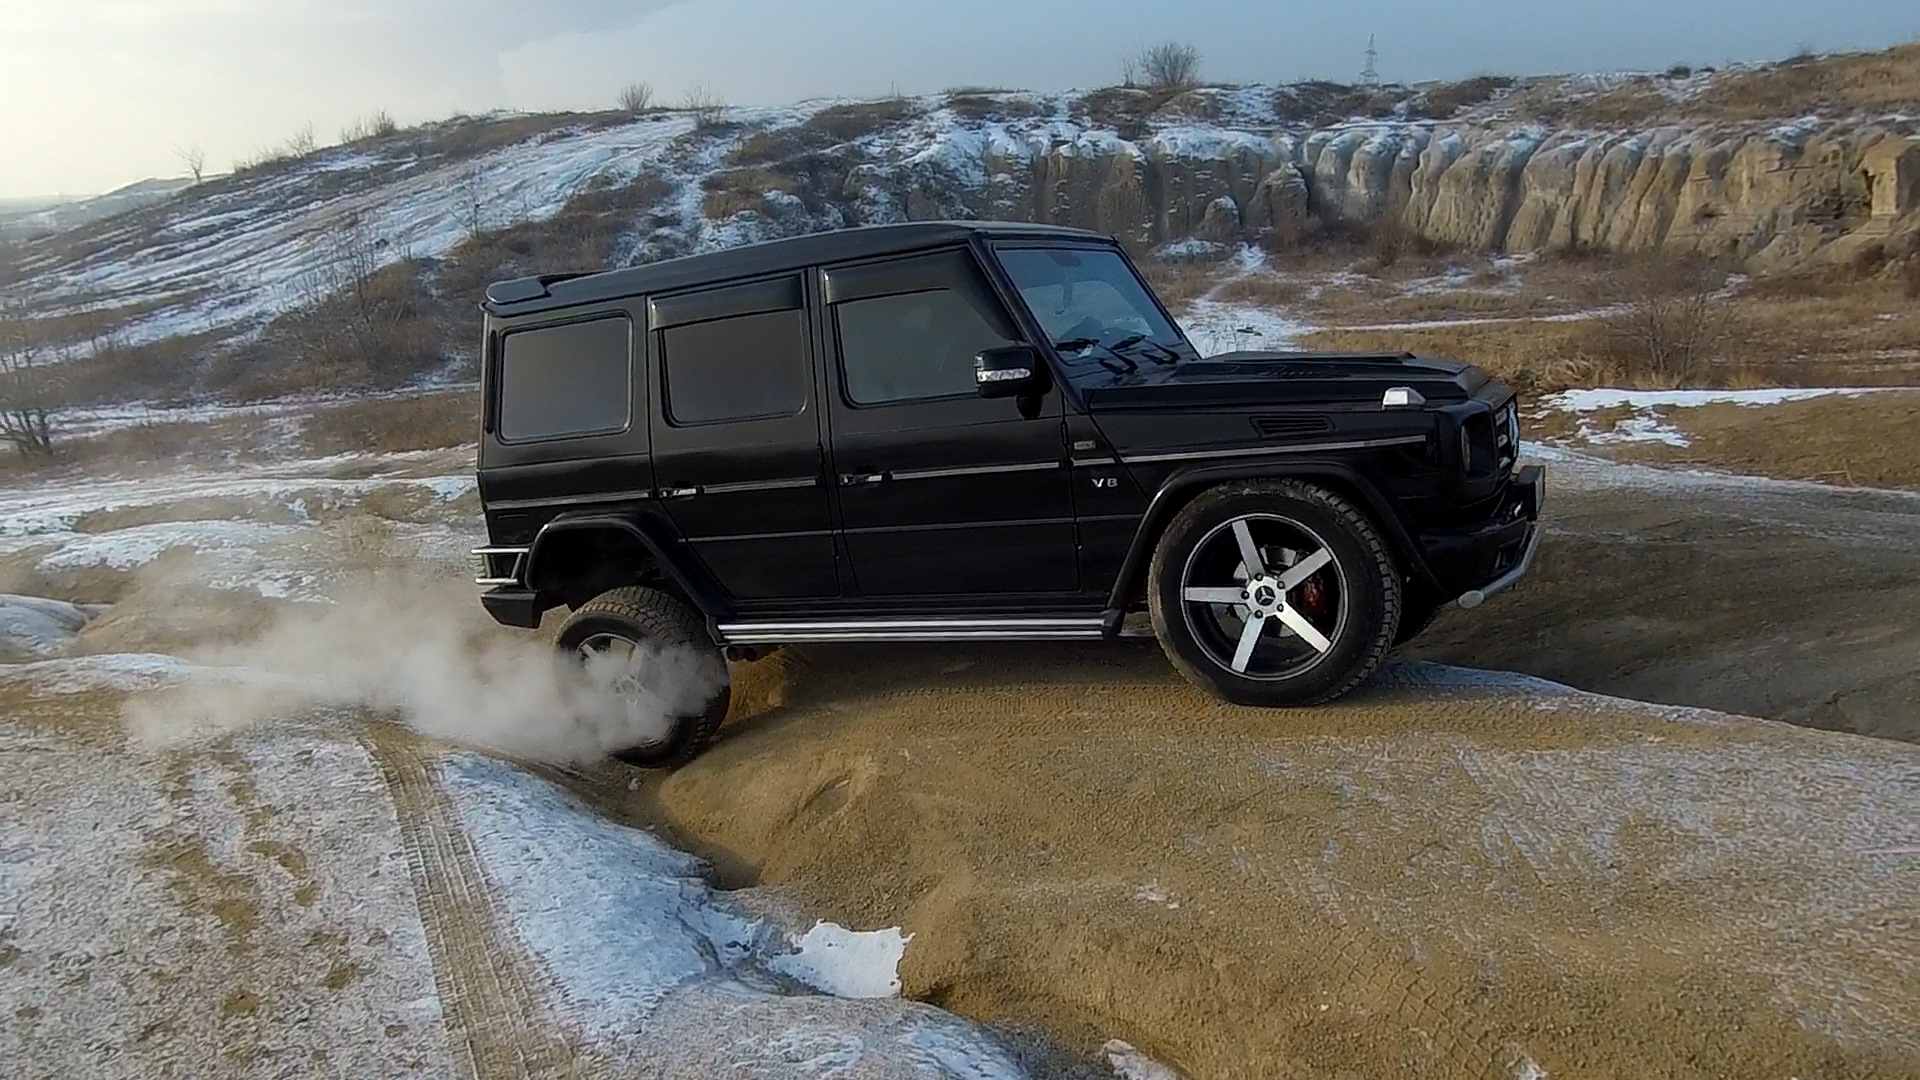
[1182,487]
[570,557]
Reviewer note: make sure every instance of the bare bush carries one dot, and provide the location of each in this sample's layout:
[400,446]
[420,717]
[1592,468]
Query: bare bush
[1670,320]
[1170,65]
[195,159]
[302,142]
[373,126]
[636,97]
[706,105]
[25,386]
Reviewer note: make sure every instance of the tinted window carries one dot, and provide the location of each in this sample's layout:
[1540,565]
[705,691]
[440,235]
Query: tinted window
[561,381]
[912,347]
[752,367]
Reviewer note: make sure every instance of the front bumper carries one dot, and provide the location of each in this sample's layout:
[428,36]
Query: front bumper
[1474,564]
[511,606]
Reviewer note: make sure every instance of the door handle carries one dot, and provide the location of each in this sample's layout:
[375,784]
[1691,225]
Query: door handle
[857,479]
[678,492]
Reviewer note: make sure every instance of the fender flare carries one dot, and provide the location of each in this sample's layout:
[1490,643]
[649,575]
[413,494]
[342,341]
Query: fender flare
[1170,496]
[670,555]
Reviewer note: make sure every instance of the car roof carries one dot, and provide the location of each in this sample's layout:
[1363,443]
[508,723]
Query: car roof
[529,294]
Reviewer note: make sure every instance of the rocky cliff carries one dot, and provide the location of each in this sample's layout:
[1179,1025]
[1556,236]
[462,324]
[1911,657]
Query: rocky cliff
[1771,195]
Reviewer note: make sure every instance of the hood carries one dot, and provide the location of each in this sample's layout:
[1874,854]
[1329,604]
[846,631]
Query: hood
[1260,378]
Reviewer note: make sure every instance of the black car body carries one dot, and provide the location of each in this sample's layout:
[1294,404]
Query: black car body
[946,431]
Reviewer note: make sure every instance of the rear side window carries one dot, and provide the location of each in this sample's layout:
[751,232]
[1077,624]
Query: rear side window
[749,367]
[912,347]
[565,381]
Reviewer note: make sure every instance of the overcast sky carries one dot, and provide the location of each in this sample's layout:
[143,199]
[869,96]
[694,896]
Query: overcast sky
[99,93]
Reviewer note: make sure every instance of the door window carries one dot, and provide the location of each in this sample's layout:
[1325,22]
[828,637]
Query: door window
[912,347]
[749,367]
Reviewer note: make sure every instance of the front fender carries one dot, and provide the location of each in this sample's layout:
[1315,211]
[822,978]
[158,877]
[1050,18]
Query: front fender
[1179,488]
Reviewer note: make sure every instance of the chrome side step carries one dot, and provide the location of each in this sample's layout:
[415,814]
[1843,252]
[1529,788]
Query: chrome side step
[1025,629]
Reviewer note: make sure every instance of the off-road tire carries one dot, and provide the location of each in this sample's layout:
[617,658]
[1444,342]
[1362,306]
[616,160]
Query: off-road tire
[1366,564]
[649,616]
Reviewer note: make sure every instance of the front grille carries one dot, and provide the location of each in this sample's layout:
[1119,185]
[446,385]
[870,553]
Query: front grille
[1290,427]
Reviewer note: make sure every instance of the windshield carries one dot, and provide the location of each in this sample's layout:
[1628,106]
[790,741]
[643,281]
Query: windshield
[1101,319]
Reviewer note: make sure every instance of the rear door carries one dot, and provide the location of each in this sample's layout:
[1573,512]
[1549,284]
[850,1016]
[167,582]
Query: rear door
[736,436]
[940,491]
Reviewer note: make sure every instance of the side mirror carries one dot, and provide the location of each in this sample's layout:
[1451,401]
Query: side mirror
[1009,371]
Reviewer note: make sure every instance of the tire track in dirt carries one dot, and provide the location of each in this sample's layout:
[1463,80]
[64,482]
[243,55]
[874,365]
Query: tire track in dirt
[489,1004]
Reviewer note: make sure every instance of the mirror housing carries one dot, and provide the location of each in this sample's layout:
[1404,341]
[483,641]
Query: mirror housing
[1008,371]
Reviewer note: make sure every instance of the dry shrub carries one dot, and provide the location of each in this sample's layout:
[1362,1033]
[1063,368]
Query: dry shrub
[845,123]
[1178,283]
[1444,100]
[706,105]
[1319,102]
[1670,322]
[737,191]
[1263,290]
[580,237]
[395,425]
[376,125]
[636,97]
[980,103]
[1842,84]
[1532,356]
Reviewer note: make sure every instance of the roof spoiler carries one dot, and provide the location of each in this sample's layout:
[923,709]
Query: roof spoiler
[527,288]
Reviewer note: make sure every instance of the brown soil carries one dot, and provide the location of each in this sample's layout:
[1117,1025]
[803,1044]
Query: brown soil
[1864,441]
[1409,882]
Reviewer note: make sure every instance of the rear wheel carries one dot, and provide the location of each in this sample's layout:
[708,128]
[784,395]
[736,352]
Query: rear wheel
[1274,592]
[649,652]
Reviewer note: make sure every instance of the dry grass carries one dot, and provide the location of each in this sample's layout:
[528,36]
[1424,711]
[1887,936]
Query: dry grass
[395,425]
[737,191]
[1532,356]
[1443,100]
[1843,84]
[1179,284]
[1864,441]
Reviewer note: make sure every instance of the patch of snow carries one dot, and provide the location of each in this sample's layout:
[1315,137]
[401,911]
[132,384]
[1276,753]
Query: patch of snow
[639,946]
[36,627]
[1130,1064]
[125,672]
[124,549]
[1217,327]
[1581,401]
[1191,248]
[847,963]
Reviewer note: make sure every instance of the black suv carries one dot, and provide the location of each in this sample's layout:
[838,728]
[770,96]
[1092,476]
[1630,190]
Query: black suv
[961,431]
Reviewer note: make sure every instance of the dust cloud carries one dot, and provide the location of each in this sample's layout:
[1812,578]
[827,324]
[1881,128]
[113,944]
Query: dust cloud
[422,652]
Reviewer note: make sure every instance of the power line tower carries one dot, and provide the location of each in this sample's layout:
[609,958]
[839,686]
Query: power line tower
[1369,76]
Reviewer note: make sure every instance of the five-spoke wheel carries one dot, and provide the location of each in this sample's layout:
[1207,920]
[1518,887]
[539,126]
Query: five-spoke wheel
[1274,593]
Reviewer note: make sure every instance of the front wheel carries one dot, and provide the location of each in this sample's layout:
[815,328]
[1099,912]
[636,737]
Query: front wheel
[654,680]
[1274,592]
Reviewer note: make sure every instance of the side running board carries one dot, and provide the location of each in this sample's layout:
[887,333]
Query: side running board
[1023,629]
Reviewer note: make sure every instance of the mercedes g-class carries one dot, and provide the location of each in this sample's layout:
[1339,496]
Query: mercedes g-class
[961,431]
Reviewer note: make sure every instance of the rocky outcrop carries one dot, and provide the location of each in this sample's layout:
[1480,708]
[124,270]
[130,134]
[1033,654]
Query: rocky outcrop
[1771,196]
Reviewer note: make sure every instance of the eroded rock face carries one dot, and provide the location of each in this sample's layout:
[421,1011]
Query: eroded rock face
[1773,196]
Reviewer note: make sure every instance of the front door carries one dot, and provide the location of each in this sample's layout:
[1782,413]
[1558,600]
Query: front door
[941,491]
[736,437]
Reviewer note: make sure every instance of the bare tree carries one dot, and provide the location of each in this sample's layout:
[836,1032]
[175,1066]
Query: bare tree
[302,142]
[636,97]
[1171,65]
[195,159]
[1130,72]
[1671,318]
[25,386]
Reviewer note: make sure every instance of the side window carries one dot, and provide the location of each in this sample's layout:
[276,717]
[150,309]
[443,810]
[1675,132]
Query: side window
[912,347]
[565,381]
[749,367]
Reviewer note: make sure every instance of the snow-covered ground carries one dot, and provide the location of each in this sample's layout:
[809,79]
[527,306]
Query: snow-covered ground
[1649,420]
